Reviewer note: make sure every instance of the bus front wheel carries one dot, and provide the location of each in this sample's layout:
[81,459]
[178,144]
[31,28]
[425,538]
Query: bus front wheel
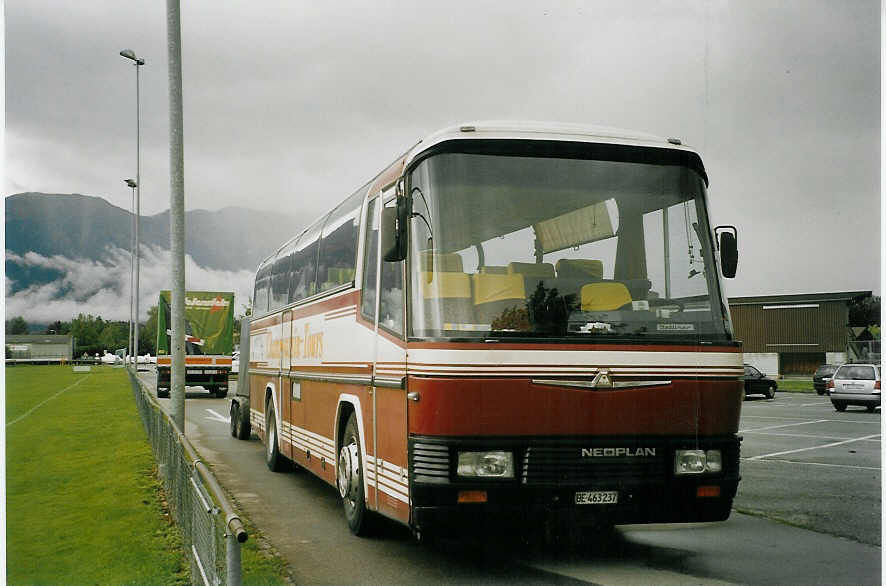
[350,479]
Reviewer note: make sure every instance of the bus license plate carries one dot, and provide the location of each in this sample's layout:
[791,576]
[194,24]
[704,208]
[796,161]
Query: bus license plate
[194,371]
[597,497]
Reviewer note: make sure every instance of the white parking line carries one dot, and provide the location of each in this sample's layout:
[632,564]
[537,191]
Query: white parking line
[813,464]
[812,404]
[807,435]
[780,426]
[216,416]
[760,457]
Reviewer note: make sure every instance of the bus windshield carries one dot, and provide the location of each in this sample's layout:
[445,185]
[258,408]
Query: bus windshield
[589,245]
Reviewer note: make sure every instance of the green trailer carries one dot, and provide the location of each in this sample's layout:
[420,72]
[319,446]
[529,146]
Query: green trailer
[209,341]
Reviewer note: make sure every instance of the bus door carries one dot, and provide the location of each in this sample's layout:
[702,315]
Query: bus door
[389,467]
[285,382]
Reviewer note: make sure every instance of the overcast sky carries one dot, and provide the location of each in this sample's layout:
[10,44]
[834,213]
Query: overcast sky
[291,105]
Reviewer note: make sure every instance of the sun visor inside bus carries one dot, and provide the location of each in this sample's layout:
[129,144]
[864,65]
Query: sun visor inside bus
[573,228]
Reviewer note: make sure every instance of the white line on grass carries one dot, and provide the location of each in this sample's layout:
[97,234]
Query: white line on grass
[761,456]
[35,407]
[813,464]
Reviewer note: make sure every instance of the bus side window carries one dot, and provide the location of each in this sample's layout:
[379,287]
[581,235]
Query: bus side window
[338,244]
[391,305]
[304,265]
[370,260]
[262,288]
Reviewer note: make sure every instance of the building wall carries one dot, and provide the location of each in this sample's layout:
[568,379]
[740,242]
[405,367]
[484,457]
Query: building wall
[803,330]
[795,328]
[766,362]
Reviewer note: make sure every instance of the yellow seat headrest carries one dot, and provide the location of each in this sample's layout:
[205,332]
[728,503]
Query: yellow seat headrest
[604,296]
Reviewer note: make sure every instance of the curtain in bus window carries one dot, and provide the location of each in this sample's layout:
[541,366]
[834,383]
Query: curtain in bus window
[338,246]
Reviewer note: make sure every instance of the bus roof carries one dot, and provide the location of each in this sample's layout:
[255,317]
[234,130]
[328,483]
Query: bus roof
[533,130]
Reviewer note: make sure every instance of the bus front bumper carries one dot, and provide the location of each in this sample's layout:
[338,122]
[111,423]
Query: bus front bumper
[689,501]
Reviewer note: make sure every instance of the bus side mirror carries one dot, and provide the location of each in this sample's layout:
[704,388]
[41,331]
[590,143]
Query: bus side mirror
[727,237]
[393,232]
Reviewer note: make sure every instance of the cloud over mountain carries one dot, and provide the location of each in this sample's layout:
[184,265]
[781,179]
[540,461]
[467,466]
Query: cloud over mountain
[67,255]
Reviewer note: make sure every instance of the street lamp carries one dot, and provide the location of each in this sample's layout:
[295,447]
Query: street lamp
[132,184]
[136,186]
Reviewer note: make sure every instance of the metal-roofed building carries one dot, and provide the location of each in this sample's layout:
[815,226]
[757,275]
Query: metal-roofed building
[794,334]
[38,348]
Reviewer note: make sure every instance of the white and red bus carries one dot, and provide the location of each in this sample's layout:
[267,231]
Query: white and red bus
[512,320]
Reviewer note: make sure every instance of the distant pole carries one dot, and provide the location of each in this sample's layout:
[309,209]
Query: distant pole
[130,54]
[129,346]
[176,213]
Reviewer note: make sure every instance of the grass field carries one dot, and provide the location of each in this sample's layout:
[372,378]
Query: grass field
[797,385]
[83,502]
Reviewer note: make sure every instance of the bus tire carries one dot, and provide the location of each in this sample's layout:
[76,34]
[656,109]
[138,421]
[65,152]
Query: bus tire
[273,458]
[241,427]
[349,478]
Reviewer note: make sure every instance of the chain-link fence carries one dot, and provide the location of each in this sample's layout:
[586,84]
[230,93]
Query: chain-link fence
[211,531]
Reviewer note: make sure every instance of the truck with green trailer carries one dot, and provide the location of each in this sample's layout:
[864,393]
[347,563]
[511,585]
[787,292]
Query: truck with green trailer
[209,341]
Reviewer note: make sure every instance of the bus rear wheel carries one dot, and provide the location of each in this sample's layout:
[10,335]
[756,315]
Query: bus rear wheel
[273,458]
[349,476]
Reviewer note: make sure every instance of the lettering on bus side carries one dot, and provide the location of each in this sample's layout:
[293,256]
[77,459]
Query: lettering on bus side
[308,345]
[617,452]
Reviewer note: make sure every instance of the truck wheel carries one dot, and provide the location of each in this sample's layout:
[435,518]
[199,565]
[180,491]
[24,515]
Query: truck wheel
[221,393]
[273,458]
[240,426]
[235,419]
[839,406]
[350,479]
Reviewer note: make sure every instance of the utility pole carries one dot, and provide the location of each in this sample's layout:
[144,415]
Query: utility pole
[176,213]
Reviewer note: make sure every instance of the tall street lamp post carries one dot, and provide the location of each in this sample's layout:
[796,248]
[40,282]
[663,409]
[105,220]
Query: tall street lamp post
[129,54]
[132,184]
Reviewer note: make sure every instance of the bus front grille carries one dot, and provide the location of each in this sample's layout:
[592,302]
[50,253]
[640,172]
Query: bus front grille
[571,465]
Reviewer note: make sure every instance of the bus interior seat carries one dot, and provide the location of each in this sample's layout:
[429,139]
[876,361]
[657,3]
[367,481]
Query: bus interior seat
[533,274]
[447,289]
[494,293]
[579,269]
[493,270]
[573,274]
[445,262]
[606,296]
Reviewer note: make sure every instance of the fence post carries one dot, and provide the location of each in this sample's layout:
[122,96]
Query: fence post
[232,558]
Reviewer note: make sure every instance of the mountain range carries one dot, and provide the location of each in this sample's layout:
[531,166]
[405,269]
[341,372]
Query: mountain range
[88,228]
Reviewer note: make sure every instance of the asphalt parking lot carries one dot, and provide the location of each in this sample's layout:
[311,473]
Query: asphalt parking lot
[808,465]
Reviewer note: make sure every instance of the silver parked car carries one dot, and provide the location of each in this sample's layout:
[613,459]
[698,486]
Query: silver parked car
[855,384]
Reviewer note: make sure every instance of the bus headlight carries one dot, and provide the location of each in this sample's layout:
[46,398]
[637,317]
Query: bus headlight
[697,461]
[496,464]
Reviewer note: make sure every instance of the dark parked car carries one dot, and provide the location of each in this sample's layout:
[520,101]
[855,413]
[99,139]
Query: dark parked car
[821,377]
[757,383]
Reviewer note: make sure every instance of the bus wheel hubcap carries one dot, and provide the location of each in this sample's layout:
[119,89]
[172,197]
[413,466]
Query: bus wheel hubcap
[348,471]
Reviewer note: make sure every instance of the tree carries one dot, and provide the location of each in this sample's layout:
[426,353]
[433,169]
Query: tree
[87,329]
[147,334]
[16,326]
[114,335]
[864,312]
[58,327]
